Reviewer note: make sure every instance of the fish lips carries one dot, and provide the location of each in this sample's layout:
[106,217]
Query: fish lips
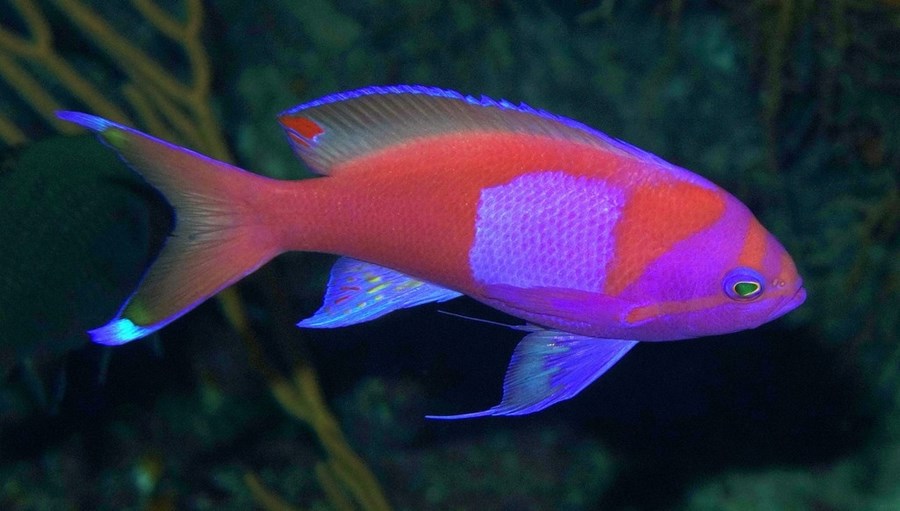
[791,302]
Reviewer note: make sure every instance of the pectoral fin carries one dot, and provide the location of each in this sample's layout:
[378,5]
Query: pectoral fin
[359,291]
[548,367]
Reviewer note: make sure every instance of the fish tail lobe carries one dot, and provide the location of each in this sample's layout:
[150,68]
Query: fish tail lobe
[219,237]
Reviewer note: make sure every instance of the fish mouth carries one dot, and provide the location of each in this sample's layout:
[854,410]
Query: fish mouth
[791,303]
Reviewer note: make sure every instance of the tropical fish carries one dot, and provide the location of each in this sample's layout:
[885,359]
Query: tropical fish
[428,195]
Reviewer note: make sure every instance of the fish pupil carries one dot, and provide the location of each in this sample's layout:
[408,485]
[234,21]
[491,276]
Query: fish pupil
[746,289]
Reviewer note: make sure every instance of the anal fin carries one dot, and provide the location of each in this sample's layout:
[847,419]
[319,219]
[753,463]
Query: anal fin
[549,366]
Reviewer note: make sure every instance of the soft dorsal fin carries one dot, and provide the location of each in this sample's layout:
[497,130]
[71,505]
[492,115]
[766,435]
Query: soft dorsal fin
[341,127]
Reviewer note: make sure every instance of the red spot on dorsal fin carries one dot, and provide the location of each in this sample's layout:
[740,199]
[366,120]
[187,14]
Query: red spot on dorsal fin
[301,129]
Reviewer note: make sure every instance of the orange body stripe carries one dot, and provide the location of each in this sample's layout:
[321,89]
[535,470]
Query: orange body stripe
[655,217]
[754,246]
[413,206]
[656,310]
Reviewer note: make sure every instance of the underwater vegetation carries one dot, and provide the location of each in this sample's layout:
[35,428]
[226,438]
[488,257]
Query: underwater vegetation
[791,105]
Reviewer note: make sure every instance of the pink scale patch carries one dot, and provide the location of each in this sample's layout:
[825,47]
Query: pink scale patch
[546,229]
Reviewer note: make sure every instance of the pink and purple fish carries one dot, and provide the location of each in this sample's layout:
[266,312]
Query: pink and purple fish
[428,195]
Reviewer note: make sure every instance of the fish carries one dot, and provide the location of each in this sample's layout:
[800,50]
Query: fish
[426,194]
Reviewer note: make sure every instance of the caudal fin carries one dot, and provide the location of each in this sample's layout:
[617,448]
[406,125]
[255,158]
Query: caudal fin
[217,240]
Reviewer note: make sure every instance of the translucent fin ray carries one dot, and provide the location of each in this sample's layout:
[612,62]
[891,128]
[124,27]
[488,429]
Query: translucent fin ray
[548,367]
[340,127]
[215,241]
[359,291]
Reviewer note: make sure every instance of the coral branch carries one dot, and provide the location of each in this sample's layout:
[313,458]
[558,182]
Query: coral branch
[332,488]
[40,51]
[133,61]
[31,91]
[10,133]
[301,397]
[264,496]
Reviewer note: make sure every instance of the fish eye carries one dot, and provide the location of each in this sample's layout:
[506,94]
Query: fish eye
[743,284]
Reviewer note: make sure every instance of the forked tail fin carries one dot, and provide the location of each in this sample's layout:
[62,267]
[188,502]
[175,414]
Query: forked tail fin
[218,236]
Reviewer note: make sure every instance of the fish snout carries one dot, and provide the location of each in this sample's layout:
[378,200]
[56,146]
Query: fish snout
[791,302]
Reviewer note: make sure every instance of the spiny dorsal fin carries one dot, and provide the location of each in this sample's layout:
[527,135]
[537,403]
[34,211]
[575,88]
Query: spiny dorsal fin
[340,127]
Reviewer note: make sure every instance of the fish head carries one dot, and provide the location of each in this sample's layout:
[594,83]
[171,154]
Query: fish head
[730,276]
[753,294]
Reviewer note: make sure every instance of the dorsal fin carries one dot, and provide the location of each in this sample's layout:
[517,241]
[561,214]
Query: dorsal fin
[341,127]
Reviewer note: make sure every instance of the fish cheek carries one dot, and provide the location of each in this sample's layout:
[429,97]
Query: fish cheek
[642,314]
[561,308]
[678,319]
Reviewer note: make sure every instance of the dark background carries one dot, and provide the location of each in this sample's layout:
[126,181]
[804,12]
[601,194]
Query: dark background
[790,105]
